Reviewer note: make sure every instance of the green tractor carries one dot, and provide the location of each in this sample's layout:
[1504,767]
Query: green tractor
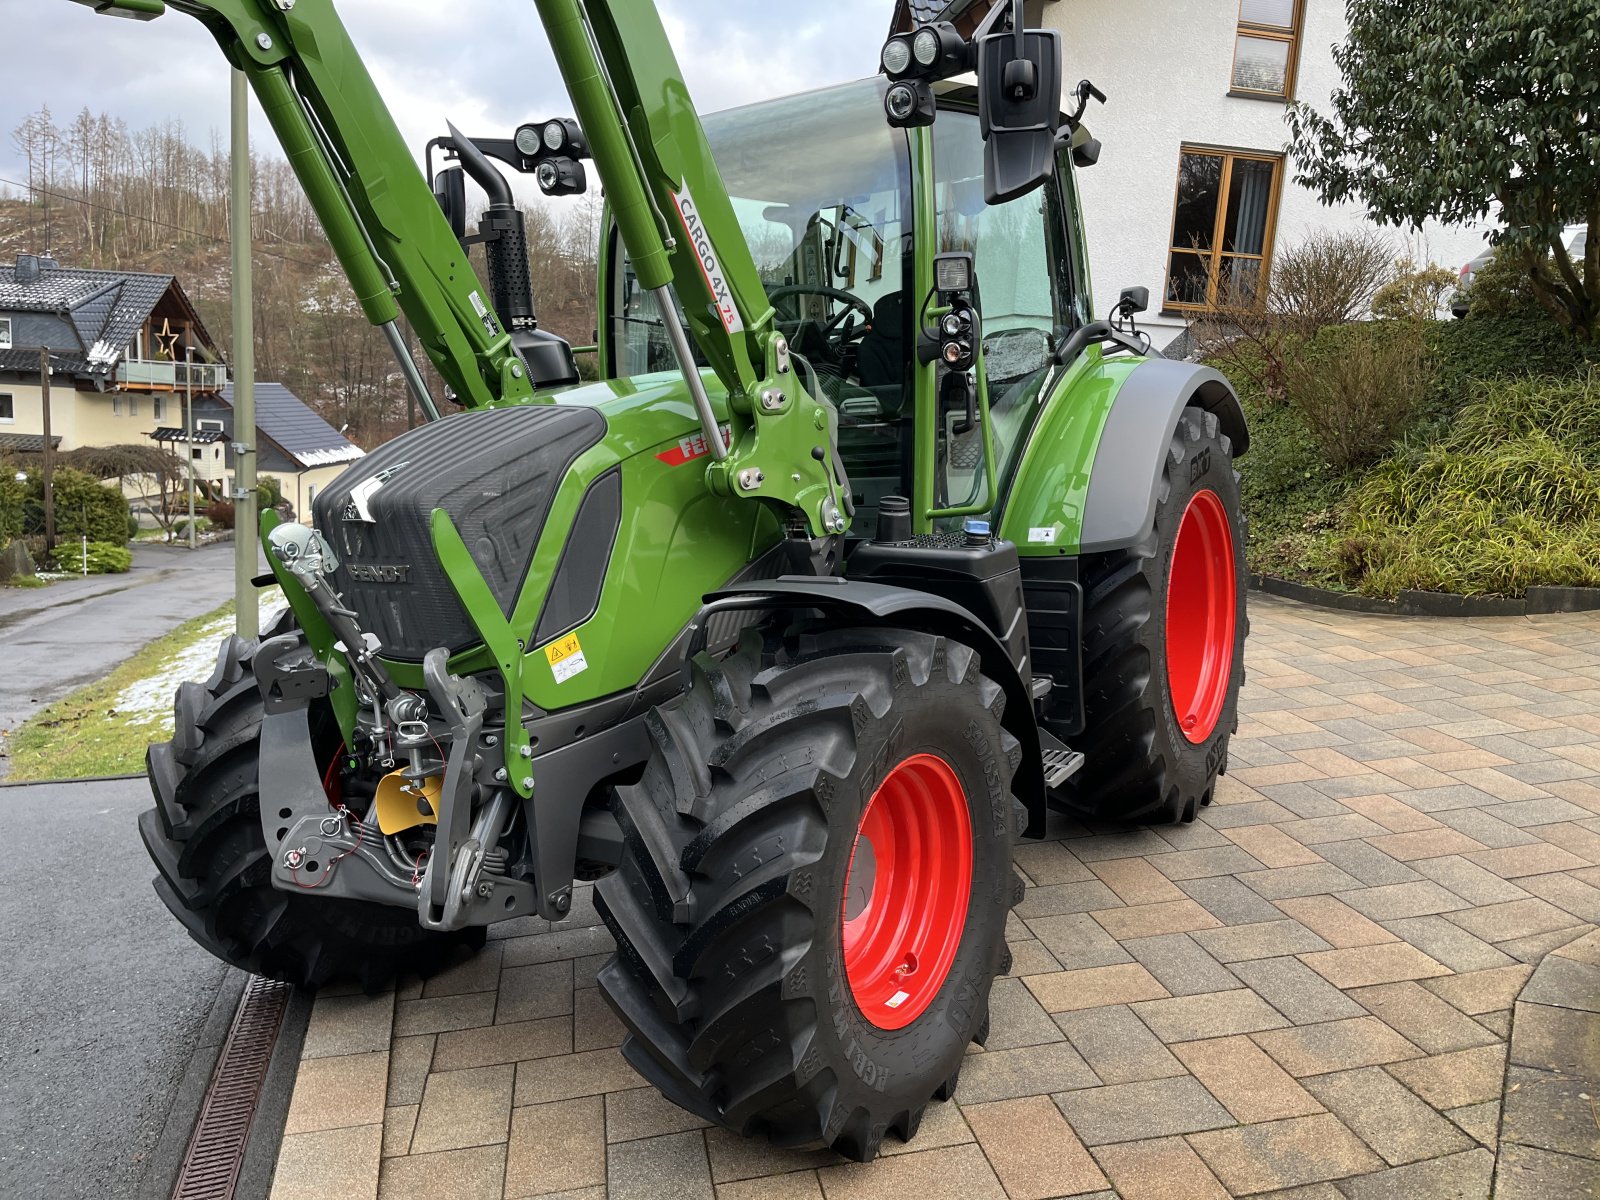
[871,546]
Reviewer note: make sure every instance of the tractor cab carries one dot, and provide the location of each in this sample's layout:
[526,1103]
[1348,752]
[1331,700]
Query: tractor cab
[847,217]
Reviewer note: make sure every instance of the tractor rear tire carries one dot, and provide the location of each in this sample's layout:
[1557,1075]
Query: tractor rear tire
[812,899]
[1163,643]
[204,835]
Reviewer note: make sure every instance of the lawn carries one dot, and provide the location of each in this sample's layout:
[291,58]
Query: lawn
[103,729]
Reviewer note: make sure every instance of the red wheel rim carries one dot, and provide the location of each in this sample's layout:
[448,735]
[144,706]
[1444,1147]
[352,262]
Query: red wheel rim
[1202,600]
[906,891]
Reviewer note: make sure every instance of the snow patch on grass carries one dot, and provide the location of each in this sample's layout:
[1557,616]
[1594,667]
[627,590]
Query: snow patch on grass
[151,697]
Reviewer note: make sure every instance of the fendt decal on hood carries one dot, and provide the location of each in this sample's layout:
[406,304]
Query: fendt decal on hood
[690,448]
[706,255]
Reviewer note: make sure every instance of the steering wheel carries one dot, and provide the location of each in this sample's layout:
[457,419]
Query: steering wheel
[853,303]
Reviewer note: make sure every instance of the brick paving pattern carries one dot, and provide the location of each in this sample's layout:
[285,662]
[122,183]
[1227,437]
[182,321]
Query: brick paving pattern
[1308,991]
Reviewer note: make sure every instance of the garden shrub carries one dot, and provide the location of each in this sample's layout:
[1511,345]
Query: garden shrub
[1358,386]
[220,514]
[1415,293]
[1502,288]
[104,558]
[13,504]
[1330,278]
[82,504]
[1508,499]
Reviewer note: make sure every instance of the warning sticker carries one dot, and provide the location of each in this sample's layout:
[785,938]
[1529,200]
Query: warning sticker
[896,1000]
[1042,537]
[566,658]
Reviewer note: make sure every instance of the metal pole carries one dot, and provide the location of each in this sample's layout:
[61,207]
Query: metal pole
[408,368]
[188,429]
[49,454]
[246,616]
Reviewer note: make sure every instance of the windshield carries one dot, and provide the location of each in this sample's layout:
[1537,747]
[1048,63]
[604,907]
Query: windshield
[821,186]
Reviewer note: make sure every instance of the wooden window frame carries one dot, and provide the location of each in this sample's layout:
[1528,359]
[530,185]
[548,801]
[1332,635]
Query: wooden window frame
[1268,238]
[1270,33]
[12,399]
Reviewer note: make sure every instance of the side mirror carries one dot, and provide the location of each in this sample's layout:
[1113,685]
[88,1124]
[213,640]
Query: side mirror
[1133,300]
[450,190]
[1019,106]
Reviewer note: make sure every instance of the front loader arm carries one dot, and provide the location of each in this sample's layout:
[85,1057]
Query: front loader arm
[668,197]
[677,222]
[393,243]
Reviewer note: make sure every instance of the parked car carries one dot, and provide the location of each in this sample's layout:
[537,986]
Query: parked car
[1576,238]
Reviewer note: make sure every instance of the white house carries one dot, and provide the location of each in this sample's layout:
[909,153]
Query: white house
[1192,184]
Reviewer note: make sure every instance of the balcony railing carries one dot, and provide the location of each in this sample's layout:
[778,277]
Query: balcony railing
[151,375]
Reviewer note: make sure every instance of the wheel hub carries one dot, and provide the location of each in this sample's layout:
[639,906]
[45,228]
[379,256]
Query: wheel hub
[1202,602]
[906,891]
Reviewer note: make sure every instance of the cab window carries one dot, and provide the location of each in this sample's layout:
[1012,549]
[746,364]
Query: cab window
[1025,295]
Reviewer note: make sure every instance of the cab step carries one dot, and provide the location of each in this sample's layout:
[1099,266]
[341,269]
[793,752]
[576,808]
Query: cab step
[1061,762]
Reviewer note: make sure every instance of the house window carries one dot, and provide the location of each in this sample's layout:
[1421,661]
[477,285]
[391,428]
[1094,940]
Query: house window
[159,403]
[116,405]
[1266,50]
[133,406]
[5,333]
[1222,228]
[197,455]
[215,425]
[8,407]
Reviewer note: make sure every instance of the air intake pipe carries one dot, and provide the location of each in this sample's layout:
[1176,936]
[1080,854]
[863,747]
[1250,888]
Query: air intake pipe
[505,244]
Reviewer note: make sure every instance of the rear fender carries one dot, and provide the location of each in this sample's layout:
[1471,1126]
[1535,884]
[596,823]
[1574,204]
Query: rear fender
[1087,478]
[1120,507]
[863,603]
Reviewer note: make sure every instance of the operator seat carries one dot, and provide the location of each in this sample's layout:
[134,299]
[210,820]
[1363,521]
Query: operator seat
[881,357]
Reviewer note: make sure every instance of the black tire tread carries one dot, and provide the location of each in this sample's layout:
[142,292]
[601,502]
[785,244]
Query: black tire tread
[1125,776]
[204,837]
[693,894]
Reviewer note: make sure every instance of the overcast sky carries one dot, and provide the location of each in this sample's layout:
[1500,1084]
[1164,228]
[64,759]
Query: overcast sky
[483,64]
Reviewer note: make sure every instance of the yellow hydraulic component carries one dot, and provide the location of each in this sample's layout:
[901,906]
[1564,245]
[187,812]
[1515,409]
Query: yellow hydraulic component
[397,803]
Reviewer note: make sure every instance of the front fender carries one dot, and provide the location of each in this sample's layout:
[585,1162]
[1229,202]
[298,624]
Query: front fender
[864,603]
[1087,479]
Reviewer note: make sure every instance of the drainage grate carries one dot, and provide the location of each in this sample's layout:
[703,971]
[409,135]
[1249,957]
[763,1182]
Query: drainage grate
[216,1149]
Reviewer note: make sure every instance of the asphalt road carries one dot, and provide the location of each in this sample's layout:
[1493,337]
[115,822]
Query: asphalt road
[55,639]
[105,1000]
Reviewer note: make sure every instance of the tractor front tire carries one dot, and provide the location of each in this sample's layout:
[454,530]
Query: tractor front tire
[204,835]
[816,875]
[1163,643]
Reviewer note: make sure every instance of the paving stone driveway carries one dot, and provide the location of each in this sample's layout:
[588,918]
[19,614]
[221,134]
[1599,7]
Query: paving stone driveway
[1311,987]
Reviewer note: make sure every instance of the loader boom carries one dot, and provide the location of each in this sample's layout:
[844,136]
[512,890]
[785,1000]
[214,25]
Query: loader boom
[666,194]
[379,213]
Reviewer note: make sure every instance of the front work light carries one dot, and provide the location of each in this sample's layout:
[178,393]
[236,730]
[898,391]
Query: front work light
[897,56]
[909,104]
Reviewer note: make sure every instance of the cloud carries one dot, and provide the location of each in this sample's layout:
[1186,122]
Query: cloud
[484,64]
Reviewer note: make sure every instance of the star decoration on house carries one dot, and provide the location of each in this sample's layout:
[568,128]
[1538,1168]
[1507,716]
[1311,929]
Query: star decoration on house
[168,340]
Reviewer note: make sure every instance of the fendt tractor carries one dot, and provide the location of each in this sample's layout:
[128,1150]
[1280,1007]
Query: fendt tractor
[870,546]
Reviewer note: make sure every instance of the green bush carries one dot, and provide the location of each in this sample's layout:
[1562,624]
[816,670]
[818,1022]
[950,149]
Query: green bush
[13,504]
[1415,293]
[82,504]
[1289,492]
[1509,498]
[1502,288]
[1358,387]
[104,558]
